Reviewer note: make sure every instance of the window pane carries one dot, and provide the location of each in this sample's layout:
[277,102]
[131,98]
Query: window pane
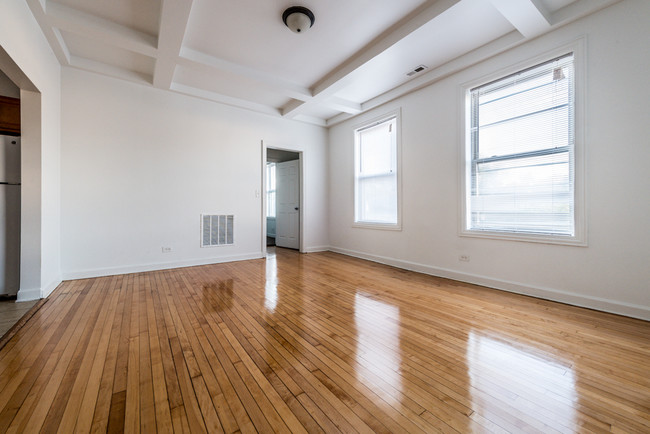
[270,189]
[375,149]
[378,199]
[546,130]
[270,204]
[554,93]
[526,195]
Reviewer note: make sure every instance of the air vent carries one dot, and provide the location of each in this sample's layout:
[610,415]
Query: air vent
[217,230]
[417,69]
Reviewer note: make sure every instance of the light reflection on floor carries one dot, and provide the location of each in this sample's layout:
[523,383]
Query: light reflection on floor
[378,341]
[505,375]
[271,285]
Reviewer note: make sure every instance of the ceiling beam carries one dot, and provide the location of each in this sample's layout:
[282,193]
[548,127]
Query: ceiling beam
[53,36]
[342,105]
[341,76]
[110,70]
[579,9]
[173,22]
[224,99]
[417,19]
[238,103]
[528,16]
[311,120]
[562,17]
[196,59]
[90,26]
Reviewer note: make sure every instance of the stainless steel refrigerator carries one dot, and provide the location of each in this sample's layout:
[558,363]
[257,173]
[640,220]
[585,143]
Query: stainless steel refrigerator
[9,215]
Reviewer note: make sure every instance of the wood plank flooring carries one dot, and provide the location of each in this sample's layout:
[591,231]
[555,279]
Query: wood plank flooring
[318,343]
[11,312]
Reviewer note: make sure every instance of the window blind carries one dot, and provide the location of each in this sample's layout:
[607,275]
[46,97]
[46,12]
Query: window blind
[522,152]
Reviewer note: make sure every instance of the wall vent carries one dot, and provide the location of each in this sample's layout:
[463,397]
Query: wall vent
[217,230]
[417,69]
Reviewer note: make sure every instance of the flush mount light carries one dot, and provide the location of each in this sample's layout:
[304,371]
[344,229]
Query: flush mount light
[298,19]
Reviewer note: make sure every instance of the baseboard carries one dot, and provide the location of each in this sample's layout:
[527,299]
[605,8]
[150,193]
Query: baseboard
[110,271]
[316,249]
[597,303]
[28,294]
[47,290]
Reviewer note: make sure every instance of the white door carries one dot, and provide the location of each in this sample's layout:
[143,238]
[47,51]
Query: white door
[287,230]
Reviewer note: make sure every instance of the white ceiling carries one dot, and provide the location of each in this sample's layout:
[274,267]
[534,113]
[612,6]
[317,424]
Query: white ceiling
[354,58]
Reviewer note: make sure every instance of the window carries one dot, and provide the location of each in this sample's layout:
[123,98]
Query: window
[520,156]
[376,180]
[270,189]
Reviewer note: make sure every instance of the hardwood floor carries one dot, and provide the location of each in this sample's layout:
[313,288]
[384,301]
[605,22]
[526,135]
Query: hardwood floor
[318,342]
[11,312]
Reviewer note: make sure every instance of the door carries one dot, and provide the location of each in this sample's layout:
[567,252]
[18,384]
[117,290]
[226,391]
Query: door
[287,230]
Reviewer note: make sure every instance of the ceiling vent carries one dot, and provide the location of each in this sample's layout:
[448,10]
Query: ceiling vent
[417,70]
[216,230]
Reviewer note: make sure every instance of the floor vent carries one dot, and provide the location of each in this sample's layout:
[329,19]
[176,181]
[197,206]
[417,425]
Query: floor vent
[216,230]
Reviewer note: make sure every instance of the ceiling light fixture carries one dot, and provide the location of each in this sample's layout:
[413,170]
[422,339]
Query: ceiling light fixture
[298,19]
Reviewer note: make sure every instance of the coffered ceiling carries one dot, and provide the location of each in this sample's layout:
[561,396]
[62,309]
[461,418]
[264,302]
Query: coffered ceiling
[355,57]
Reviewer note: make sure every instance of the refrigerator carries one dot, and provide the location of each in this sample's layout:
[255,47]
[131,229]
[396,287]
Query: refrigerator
[9,215]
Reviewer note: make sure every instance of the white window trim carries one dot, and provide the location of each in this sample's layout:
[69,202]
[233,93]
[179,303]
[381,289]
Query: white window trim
[397,114]
[580,238]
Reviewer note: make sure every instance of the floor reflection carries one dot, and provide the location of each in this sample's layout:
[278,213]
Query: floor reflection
[378,340]
[271,284]
[218,295]
[504,375]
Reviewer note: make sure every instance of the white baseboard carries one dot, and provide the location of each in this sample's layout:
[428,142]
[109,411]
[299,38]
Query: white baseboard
[110,271]
[597,303]
[316,249]
[47,290]
[28,294]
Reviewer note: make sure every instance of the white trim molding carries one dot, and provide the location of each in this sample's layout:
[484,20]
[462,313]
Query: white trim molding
[110,271]
[28,294]
[47,290]
[596,303]
[316,249]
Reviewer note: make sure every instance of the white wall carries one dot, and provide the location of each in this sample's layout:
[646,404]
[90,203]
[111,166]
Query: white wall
[613,272]
[7,87]
[139,166]
[29,62]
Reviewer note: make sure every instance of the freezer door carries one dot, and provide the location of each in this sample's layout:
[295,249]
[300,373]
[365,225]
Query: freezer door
[10,159]
[9,239]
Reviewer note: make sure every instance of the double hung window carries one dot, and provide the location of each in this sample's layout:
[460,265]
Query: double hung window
[376,177]
[520,153]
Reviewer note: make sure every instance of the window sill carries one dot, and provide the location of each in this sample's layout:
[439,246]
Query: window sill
[379,226]
[529,238]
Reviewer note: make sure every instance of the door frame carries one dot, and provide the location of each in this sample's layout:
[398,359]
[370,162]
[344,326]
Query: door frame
[301,196]
[32,257]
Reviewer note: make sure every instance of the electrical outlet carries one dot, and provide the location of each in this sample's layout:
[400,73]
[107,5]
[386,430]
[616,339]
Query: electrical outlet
[463,258]
[166,249]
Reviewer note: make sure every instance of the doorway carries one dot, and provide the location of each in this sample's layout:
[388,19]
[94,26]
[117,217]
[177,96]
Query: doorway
[10,200]
[282,199]
[32,259]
